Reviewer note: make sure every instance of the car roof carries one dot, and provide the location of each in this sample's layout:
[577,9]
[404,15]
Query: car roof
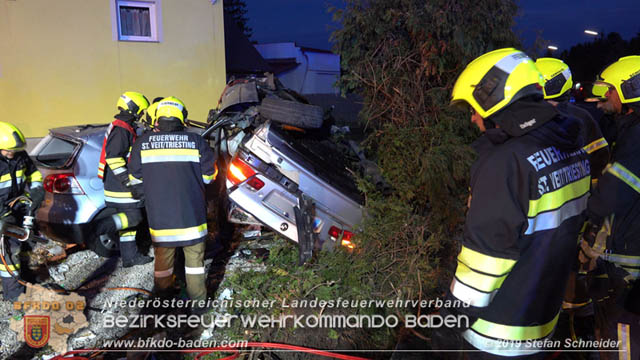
[80,131]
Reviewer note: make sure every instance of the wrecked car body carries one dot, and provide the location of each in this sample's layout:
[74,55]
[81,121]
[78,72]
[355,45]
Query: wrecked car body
[281,169]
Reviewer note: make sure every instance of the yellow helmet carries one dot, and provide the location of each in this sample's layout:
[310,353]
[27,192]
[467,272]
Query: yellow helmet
[133,103]
[11,137]
[599,90]
[171,108]
[557,77]
[150,117]
[624,76]
[497,79]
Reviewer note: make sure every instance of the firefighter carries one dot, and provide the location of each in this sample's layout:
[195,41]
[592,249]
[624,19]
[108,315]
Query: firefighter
[113,169]
[18,175]
[558,80]
[172,167]
[529,187]
[578,310]
[612,241]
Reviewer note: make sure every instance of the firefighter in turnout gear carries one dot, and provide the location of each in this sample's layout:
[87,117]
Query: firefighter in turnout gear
[577,305]
[173,167]
[558,80]
[611,243]
[18,175]
[119,194]
[529,189]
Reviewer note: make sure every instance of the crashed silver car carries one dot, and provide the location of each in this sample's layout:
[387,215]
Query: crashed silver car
[282,170]
[68,159]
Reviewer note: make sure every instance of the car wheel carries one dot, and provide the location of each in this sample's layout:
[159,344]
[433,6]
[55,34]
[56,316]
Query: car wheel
[292,112]
[106,245]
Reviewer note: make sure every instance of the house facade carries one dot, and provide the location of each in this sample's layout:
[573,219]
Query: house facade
[66,62]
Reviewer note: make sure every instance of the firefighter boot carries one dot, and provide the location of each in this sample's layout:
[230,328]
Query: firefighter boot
[129,250]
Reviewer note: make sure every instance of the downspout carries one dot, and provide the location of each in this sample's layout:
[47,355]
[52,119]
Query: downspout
[306,71]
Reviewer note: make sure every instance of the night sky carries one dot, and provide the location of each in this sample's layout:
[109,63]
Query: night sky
[562,22]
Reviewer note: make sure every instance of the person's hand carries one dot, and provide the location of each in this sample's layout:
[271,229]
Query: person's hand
[136,191]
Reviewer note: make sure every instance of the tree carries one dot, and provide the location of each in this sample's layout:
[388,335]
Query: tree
[403,57]
[588,59]
[237,10]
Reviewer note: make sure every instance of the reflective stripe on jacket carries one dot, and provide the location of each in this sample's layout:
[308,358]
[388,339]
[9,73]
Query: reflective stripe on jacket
[116,149]
[617,195]
[17,176]
[527,207]
[596,146]
[174,168]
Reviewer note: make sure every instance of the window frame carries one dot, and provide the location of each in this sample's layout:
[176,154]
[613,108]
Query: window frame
[155,20]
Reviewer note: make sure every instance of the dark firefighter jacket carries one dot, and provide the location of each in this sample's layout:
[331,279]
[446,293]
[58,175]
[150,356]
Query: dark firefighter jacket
[174,168]
[528,196]
[618,194]
[596,145]
[116,151]
[15,175]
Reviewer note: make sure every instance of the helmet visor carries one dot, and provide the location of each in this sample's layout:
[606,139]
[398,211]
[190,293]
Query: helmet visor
[490,90]
[600,89]
[554,86]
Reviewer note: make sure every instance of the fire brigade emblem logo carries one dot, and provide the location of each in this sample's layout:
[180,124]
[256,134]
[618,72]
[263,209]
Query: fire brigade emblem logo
[36,330]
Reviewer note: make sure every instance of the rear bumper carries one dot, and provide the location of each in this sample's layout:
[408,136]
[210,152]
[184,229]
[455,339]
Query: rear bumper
[68,218]
[72,234]
[280,220]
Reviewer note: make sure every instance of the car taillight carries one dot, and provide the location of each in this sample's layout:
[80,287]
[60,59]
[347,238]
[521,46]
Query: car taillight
[255,183]
[335,233]
[346,239]
[240,171]
[62,184]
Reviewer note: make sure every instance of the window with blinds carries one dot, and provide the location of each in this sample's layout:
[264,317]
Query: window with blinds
[137,20]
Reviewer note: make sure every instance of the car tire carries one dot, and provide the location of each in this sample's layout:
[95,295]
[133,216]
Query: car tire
[106,246]
[293,113]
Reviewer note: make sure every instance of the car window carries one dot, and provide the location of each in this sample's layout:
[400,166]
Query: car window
[53,151]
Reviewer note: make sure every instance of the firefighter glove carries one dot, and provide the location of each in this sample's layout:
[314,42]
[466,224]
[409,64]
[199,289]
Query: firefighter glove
[37,196]
[123,177]
[136,191]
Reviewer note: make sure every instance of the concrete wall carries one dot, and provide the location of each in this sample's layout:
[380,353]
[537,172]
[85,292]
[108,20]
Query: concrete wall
[61,64]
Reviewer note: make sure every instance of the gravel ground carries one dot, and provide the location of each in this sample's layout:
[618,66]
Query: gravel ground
[92,274]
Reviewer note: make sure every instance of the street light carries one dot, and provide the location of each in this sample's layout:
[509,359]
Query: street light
[552,48]
[591,32]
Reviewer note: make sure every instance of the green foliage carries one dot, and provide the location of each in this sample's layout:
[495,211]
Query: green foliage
[403,57]
[422,44]
[284,280]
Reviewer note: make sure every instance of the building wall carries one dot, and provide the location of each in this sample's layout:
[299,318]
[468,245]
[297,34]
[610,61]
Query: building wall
[61,65]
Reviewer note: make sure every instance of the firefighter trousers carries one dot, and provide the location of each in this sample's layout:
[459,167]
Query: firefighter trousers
[617,323]
[193,269]
[11,288]
[125,221]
